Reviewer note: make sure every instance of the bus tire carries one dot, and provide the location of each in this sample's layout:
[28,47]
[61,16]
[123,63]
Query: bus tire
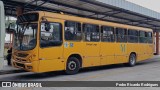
[132,60]
[72,66]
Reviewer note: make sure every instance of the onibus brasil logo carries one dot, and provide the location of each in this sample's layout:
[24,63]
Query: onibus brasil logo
[21,84]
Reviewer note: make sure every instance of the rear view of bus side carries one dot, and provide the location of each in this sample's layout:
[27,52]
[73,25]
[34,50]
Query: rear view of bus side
[65,42]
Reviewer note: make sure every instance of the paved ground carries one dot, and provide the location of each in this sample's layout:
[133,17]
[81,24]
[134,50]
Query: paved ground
[144,71]
[9,69]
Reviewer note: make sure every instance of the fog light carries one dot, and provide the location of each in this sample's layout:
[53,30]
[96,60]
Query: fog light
[29,67]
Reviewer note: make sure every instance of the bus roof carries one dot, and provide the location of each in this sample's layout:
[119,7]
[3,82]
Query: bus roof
[88,20]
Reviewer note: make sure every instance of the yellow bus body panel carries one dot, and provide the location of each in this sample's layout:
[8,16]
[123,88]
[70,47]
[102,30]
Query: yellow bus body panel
[92,53]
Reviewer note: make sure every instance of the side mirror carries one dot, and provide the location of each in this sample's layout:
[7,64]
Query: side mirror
[47,26]
[11,28]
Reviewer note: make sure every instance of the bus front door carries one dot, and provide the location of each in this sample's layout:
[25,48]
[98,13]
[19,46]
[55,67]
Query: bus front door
[51,48]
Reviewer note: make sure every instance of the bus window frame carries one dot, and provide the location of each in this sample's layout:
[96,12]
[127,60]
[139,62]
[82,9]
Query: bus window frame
[143,37]
[125,35]
[61,25]
[99,30]
[132,35]
[81,31]
[114,33]
[150,37]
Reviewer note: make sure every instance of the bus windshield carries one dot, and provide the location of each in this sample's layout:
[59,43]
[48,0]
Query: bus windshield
[25,36]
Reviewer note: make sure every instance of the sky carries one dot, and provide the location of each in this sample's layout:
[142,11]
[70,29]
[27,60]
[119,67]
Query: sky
[150,4]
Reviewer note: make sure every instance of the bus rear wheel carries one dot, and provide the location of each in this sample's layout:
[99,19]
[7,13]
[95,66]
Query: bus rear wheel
[72,66]
[132,60]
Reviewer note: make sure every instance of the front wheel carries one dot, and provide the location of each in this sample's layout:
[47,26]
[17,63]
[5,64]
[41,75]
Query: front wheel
[72,66]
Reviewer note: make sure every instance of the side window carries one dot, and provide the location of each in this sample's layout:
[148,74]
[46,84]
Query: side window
[73,31]
[51,34]
[108,34]
[132,36]
[142,37]
[91,32]
[150,39]
[121,35]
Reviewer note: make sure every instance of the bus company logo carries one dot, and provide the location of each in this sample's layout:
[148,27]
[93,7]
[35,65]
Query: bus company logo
[71,44]
[66,44]
[6,84]
[20,84]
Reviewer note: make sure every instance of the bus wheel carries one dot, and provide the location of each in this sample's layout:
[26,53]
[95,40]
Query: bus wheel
[132,60]
[73,66]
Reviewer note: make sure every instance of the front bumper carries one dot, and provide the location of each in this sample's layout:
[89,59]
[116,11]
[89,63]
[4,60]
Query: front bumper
[32,67]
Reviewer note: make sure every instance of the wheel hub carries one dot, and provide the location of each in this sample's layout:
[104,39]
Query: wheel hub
[72,65]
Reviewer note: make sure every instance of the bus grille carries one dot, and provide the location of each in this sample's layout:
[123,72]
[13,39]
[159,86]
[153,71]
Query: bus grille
[20,65]
[20,60]
[22,55]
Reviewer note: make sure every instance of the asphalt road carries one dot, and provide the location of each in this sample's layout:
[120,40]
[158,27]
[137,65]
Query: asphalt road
[144,71]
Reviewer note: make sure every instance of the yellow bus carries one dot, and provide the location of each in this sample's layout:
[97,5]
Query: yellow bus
[46,41]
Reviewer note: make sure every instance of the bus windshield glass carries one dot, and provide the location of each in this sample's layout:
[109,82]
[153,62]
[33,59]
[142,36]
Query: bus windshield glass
[25,36]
